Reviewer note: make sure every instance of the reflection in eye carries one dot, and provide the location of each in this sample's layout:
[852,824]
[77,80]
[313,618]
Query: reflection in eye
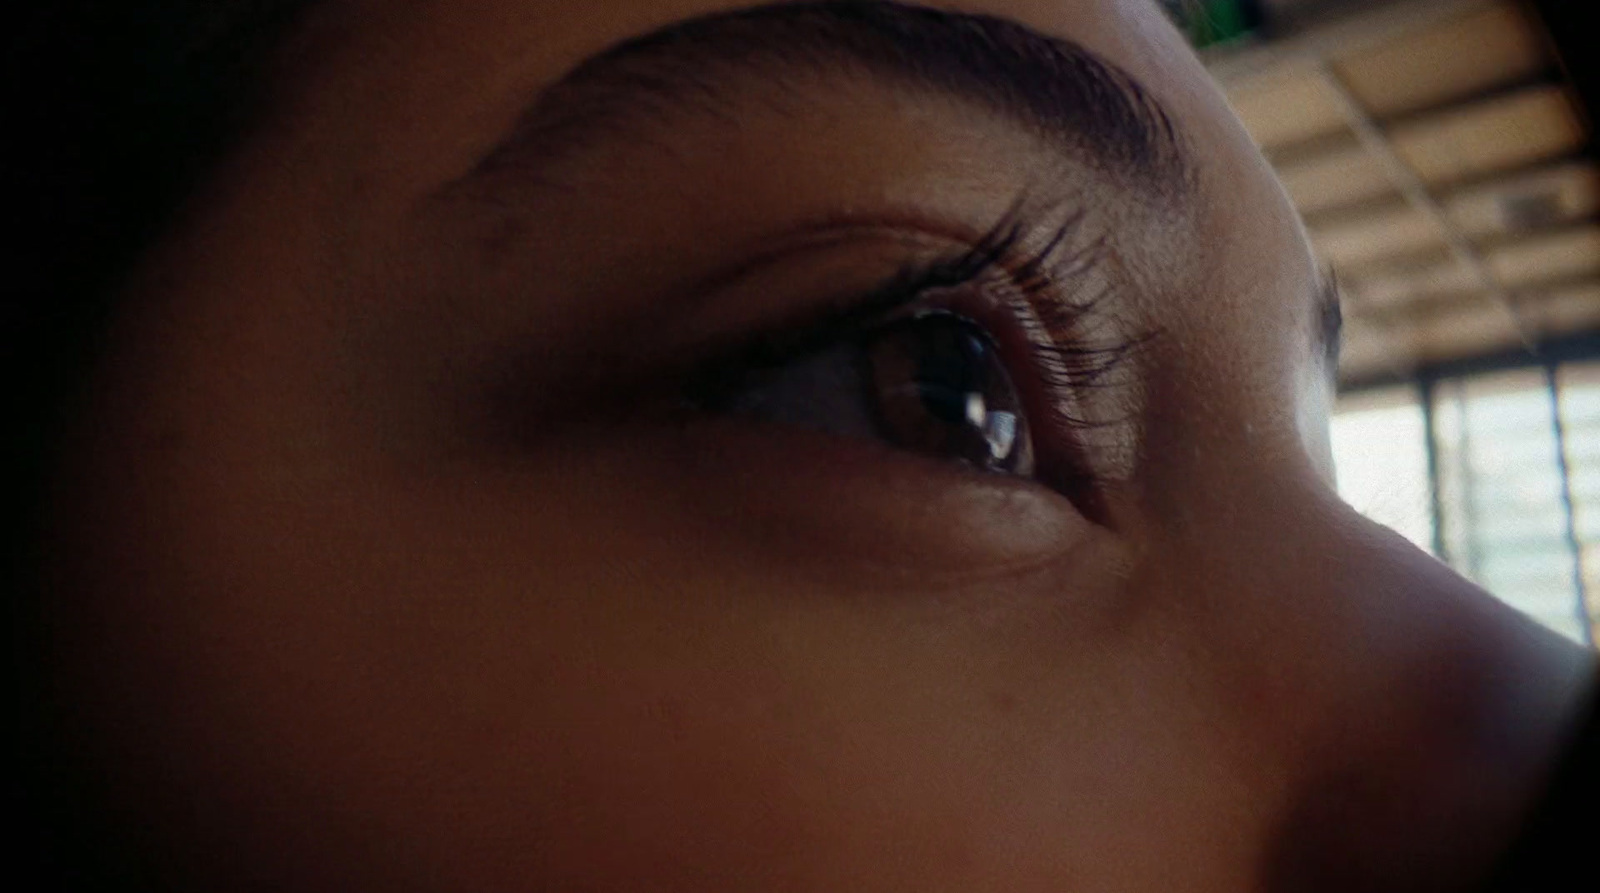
[933,384]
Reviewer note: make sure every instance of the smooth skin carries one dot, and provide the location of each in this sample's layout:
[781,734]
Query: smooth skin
[337,613]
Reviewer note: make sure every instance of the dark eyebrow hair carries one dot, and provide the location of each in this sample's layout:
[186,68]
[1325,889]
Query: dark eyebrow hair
[1330,319]
[1047,85]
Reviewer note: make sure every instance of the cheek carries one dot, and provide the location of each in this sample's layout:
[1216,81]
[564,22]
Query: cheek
[481,677]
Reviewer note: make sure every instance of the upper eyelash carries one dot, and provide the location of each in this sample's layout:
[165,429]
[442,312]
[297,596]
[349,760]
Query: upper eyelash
[1036,281]
[1331,314]
[1039,280]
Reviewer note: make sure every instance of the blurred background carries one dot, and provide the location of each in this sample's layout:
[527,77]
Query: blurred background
[1443,154]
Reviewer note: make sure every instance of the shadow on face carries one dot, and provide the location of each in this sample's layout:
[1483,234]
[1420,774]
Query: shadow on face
[797,447]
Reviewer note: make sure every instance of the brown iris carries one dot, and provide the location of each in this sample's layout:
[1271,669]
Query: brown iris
[939,387]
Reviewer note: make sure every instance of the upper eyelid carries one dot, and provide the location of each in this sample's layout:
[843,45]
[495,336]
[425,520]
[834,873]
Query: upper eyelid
[1035,280]
[993,253]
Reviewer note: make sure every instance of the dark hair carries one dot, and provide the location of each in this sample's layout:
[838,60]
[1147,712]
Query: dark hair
[115,111]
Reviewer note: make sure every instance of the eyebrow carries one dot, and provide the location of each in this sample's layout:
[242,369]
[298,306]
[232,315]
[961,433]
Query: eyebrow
[1046,85]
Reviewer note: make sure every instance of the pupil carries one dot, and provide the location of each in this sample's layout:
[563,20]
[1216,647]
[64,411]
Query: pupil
[949,374]
[939,388]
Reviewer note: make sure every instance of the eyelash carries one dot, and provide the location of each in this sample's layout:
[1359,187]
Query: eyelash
[1024,296]
[1040,281]
[1034,284]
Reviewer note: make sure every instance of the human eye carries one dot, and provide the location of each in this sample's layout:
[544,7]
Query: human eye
[931,382]
[979,358]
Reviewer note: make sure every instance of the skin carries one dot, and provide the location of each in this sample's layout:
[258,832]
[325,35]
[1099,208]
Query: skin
[334,612]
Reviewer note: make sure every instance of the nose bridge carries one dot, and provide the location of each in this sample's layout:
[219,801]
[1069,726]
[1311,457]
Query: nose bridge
[1429,631]
[1399,701]
[1366,622]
